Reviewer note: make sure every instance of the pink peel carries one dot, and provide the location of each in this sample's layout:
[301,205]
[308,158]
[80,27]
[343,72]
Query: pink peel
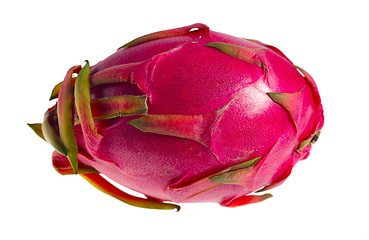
[279,181]
[185,115]
[245,200]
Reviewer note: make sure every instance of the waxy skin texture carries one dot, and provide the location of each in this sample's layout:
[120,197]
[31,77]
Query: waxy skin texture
[185,115]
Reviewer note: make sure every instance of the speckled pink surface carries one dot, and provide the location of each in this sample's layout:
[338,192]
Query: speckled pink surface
[208,111]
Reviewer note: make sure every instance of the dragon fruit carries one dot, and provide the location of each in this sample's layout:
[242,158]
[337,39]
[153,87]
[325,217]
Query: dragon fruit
[184,115]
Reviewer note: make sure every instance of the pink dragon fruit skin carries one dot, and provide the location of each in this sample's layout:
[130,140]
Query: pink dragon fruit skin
[185,115]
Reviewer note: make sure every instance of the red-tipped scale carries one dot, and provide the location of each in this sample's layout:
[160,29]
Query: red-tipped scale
[185,115]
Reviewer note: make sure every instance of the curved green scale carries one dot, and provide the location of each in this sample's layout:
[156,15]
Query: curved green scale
[65,117]
[235,174]
[82,102]
[167,33]
[96,180]
[291,102]
[125,105]
[55,91]
[249,55]
[37,128]
[51,135]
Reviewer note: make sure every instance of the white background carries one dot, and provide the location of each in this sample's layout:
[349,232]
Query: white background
[326,197]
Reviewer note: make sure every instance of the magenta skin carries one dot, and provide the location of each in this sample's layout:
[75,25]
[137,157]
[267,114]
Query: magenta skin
[214,103]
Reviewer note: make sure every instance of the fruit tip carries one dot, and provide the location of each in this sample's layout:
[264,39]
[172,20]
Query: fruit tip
[73,160]
[37,128]
[87,63]
[178,208]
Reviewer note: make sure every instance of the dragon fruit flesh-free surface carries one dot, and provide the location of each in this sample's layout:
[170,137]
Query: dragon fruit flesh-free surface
[185,115]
